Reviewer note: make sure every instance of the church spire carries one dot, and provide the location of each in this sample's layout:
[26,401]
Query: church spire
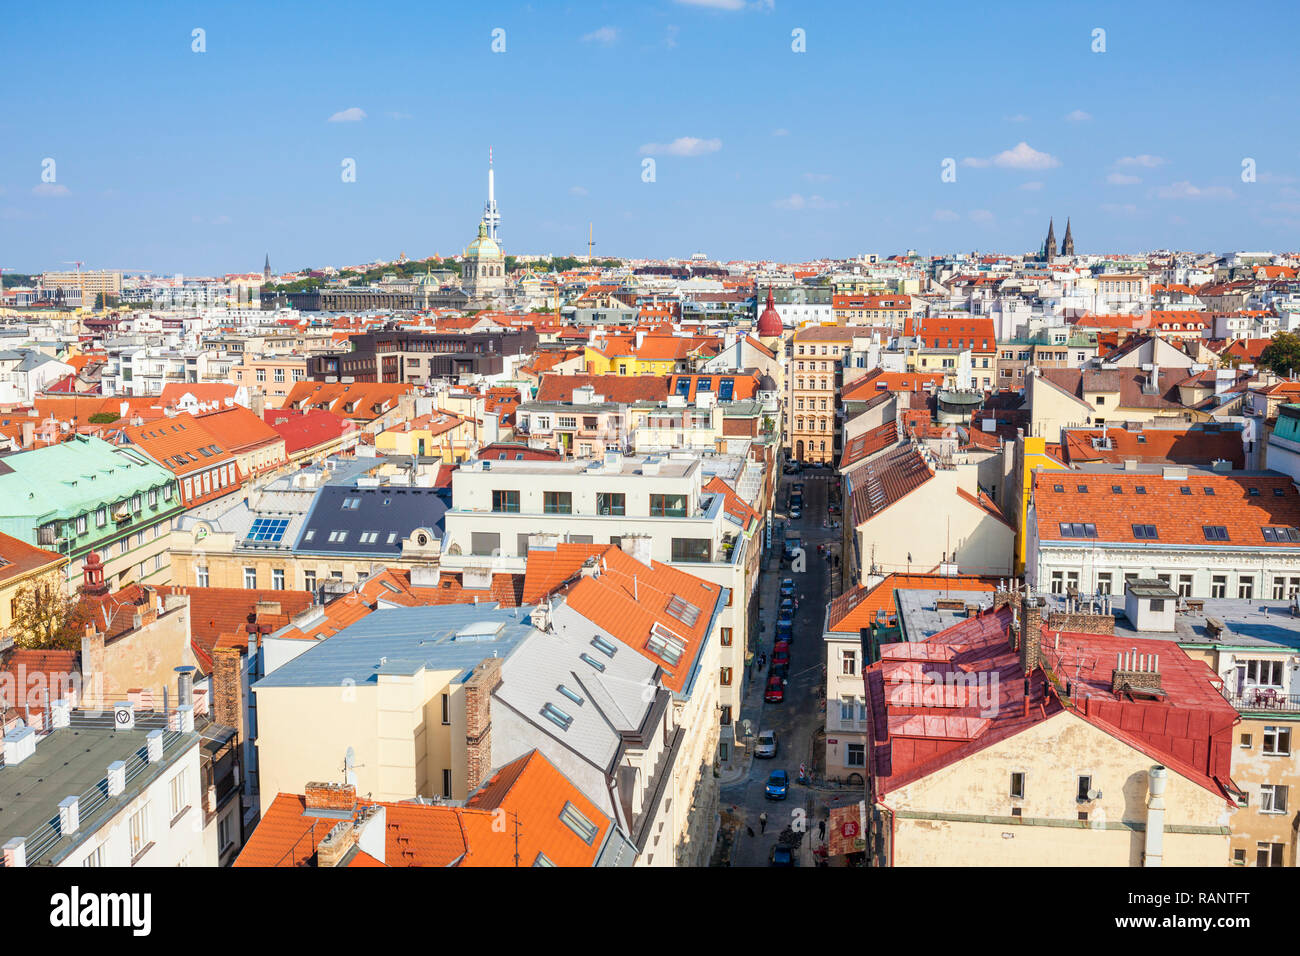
[266,269]
[1067,244]
[1049,245]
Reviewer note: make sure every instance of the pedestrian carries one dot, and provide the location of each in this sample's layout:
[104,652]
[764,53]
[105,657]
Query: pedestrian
[821,829]
[762,822]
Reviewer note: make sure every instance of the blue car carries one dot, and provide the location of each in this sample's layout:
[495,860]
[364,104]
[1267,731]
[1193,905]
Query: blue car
[787,587]
[787,610]
[778,785]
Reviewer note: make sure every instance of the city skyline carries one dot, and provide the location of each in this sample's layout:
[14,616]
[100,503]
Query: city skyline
[760,152]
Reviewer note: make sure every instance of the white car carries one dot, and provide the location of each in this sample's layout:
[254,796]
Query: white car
[766,746]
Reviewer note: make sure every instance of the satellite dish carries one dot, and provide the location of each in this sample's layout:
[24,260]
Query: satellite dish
[749,727]
[349,762]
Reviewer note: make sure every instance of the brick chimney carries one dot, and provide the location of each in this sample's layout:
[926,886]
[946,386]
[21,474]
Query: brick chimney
[331,796]
[1031,632]
[478,720]
[92,666]
[341,838]
[227,686]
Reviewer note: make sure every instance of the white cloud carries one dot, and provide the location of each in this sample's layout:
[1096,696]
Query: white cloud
[1077,116]
[1031,187]
[1017,118]
[604,36]
[1185,190]
[980,215]
[781,131]
[797,201]
[1145,159]
[577,191]
[682,146]
[51,190]
[1123,179]
[945,215]
[1020,156]
[354,114]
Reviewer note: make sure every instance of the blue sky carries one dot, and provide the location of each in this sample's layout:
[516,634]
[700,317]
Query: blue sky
[177,161]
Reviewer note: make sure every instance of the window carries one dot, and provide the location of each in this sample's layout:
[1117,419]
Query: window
[201,576]
[1145,532]
[1246,741]
[1084,788]
[611,503]
[1140,489]
[1018,785]
[1116,489]
[725,677]
[1208,490]
[1269,854]
[1219,586]
[1184,490]
[1245,588]
[1215,532]
[484,542]
[1280,534]
[95,857]
[1104,585]
[691,549]
[139,832]
[277,579]
[1272,798]
[101,517]
[604,646]
[574,819]
[505,501]
[250,578]
[725,720]
[1260,673]
[855,755]
[1058,582]
[725,636]
[309,580]
[1277,741]
[668,506]
[848,663]
[178,795]
[1078,529]
[557,502]
[446,783]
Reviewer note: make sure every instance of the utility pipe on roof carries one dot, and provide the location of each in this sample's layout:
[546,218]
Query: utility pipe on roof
[1153,854]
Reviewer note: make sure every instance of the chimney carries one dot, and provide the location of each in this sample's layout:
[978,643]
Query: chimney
[331,796]
[61,713]
[227,686]
[19,744]
[1031,632]
[154,746]
[116,778]
[1155,830]
[638,546]
[69,815]
[184,684]
[341,838]
[15,853]
[185,718]
[478,720]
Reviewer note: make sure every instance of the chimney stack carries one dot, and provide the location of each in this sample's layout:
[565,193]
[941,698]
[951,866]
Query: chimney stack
[1155,830]
[1031,633]
[15,853]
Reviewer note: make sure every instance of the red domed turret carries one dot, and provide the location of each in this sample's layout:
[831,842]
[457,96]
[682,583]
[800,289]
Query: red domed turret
[769,323]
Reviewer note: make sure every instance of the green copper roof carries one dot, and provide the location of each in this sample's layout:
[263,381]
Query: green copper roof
[69,479]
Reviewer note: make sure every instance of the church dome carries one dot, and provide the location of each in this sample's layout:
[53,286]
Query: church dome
[484,246]
[769,323]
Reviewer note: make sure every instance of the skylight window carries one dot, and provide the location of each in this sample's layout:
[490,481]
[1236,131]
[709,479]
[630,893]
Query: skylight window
[592,661]
[1280,534]
[1208,490]
[1215,532]
[1184,490]
[351,504]
[267,530]
[1058,487]
[665,645]
[1141,489]
[1253,492]
[604,646]
[1082,489]
[575,820]
[572,695]
[1279,492]
[338,537]
[1116,489]
[556,716]
[1076,529]
[1145,532]
[683,610]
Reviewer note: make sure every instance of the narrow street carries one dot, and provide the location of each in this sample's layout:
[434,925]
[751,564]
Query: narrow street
[801,715]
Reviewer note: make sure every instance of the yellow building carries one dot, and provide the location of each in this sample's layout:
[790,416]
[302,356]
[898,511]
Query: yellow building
[1030,453]
[436,435]
[23,567]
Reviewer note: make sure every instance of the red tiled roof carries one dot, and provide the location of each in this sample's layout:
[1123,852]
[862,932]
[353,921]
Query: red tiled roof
[303,430]
[1178,518]
[868,443]
[1188,446]
[621,389]
[18,557]
[733,503]
[886,479]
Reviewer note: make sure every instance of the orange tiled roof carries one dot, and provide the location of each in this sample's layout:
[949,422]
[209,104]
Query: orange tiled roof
[858,608]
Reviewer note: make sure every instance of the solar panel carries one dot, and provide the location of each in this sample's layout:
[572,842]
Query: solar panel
[268,530]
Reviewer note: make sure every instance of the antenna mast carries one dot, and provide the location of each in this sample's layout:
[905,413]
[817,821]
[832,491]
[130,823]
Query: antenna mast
[490,216]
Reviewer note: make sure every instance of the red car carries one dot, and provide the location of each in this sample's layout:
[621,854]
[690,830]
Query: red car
[781,656]
[780,646]
[775,691]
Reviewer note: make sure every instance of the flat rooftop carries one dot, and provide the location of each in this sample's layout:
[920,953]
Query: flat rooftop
[1245,624]
[920,616]
[670,466]
[73,761]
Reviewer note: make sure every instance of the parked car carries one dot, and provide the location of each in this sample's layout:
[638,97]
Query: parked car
[781,856]
[781,670]
[782,644]
[786,611]
[795,514]
[787,587]
[781,657]
[778,785]
[775,692]
[766,746]
[785,631]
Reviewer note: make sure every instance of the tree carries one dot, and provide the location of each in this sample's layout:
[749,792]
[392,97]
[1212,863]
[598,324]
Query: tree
[1282,355]
[46,617]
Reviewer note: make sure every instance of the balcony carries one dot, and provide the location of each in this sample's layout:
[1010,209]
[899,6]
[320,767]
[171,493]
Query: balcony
[1270,700]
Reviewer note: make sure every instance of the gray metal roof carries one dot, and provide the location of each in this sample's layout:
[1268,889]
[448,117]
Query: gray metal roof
[919,616]
[402,640]
[388,512]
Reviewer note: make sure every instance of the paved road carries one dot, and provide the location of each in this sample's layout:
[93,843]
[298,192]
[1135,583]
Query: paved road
[801,714]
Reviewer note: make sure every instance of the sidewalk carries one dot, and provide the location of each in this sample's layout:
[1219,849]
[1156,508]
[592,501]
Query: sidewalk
[751,706]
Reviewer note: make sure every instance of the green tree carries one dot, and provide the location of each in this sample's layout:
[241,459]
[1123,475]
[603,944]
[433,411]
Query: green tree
[1282,355]
[46,617]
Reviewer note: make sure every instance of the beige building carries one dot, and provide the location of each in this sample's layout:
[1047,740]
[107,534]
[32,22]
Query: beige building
[813,379]
[271,376]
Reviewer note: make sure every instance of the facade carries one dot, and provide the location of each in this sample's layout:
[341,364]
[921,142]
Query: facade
[112,500]
[411,355]
[813,381]
[24,568]
[271,376]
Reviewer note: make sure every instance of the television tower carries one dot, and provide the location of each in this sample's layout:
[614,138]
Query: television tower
[491,218]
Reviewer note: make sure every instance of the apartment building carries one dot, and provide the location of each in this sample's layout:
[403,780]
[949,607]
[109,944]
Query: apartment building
[813,380]
[271,376]
[85,495]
